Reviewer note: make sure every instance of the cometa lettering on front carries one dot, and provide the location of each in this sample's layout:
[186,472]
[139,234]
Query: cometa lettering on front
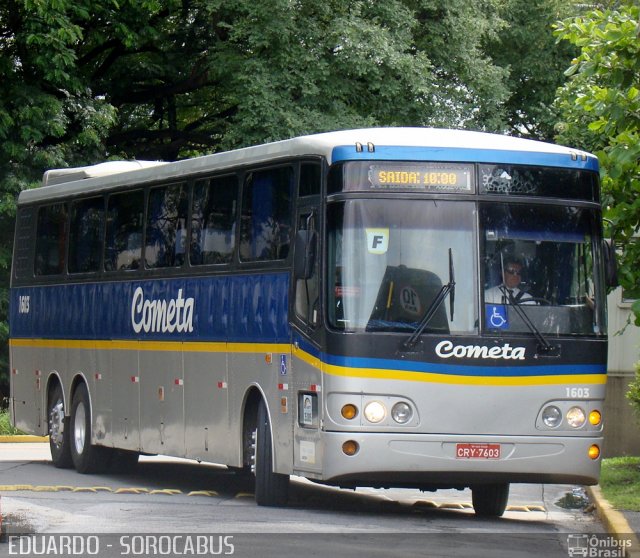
[446,349]
[161,316]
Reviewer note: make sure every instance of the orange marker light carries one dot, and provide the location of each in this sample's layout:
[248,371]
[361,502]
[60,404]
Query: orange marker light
[594,452]
[350,447]
[595,418]
[349,411]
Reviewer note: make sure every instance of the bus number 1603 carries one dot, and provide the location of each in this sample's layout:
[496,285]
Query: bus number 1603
[578,392]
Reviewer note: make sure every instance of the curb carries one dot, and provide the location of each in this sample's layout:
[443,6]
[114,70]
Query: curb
[614,521]
[22,438]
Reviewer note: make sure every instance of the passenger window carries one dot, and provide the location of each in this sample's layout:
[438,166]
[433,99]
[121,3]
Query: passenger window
[306,295]
[86,235]
[166,232]
[265,226]
[213,220]
[123,248]
[309,180]
[51,240]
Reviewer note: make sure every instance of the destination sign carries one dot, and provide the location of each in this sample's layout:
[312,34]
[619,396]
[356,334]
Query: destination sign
[424,177]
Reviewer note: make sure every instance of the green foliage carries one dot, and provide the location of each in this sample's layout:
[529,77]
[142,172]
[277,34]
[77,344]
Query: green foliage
[86,81]
[48,115]
[633,393]
[600,107]
[5,425]
[620,482]
[536,63]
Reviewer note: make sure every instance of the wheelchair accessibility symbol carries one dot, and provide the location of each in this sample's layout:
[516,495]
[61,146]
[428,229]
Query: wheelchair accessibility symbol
[496,317]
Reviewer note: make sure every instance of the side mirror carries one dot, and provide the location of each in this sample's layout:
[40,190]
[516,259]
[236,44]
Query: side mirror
[610,263]
[304,254]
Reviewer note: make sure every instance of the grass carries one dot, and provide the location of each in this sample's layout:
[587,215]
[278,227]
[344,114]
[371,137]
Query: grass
[5,425]
[620,482]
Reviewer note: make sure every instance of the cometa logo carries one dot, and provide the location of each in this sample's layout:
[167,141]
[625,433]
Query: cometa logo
[161,316]
[446,349]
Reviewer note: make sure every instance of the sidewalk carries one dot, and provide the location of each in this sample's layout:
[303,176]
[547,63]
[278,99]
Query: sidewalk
[624,525]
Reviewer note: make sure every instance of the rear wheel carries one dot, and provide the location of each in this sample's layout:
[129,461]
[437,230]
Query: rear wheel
[272,489]
[490,500]
[86,458]
[58,430]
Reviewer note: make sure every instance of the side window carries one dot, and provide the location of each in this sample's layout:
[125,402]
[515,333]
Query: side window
[265,225]
[213,220]
[307,293]
[123,248]
[309,179]
[165,235]
[51,239]
[86,235]
[24,243]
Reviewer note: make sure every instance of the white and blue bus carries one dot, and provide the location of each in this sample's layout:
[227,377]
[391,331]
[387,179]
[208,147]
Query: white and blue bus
[320,307]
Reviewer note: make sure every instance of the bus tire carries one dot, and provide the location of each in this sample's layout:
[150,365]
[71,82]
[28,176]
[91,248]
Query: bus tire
[86,457]
[272,489]
[490,500]
[58,425]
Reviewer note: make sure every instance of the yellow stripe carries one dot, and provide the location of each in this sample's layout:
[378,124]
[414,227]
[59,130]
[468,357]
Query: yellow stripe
[259,347]
[307,357]
[464,380]
[124,345]
[333,370]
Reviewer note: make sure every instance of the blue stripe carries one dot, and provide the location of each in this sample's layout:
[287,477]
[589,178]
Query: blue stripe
[463,370]
[250,308]
[448,369]
[464,155]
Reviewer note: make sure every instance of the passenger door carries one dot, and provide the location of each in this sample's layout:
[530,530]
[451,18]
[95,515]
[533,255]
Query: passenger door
[305,312]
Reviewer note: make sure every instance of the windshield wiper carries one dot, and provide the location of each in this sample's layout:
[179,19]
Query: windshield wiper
[544,346]
[448,289]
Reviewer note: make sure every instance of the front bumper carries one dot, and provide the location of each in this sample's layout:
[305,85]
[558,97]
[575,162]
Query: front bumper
[430,461]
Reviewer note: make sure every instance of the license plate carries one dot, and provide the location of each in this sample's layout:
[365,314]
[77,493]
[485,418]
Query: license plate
[477,451]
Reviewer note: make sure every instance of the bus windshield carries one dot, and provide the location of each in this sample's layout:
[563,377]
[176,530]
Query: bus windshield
[541,258]
[388,260]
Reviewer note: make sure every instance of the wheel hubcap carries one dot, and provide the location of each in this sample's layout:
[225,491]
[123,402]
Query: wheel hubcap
[79,428]
[56,423]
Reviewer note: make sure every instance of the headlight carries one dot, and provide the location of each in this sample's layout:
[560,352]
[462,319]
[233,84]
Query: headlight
[551,416]
[375,412]
[576,417]
[402,412]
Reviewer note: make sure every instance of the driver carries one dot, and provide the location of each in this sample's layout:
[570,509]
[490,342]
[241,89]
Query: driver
[511,281]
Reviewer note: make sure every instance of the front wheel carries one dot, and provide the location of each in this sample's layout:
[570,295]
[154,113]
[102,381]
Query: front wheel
[272,489]
[490,500]
[59,443]
[86,458]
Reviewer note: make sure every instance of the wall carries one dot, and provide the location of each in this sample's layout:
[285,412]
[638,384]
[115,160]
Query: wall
[622,425]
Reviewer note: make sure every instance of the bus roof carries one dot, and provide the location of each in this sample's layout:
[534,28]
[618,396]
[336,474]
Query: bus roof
[71,174]
[361,144]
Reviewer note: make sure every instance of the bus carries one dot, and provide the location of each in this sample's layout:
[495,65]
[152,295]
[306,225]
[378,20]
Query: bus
[319,307]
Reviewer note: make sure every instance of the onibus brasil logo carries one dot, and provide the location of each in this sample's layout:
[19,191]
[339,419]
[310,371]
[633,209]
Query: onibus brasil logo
[597,546]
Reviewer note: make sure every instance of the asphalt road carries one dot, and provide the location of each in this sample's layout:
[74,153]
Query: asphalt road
[174,507]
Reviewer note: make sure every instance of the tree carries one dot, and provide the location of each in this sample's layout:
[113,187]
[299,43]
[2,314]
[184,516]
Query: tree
[86,81]
[535,62]
[48,117]
[600,108]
